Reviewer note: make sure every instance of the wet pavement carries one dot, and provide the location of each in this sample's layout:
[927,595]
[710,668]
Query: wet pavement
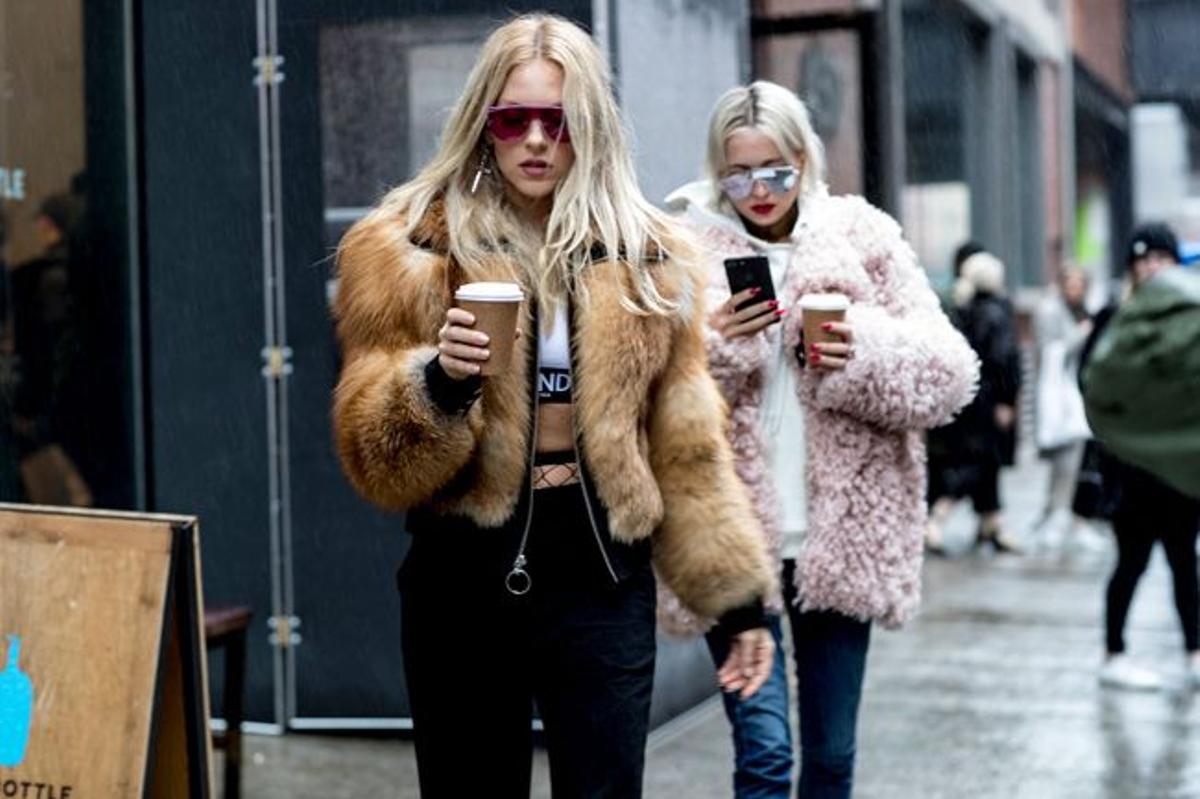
[991,693]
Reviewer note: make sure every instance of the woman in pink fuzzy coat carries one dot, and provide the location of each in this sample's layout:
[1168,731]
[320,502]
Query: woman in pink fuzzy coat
[829,438]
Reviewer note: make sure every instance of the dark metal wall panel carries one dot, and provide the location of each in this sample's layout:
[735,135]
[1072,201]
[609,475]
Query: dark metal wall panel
[204,300]
[345,552]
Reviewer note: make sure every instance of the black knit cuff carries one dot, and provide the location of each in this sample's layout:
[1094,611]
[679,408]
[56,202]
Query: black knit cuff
[747,617]
[450,395]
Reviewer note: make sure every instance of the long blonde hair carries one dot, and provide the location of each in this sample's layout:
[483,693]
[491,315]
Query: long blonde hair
[776,112]
[597,202]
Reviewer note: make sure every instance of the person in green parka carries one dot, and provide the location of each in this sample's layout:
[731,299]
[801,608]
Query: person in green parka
[1139,380]
[1142,383]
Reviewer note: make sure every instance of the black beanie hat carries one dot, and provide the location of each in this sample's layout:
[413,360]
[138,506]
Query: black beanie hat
[1152,237]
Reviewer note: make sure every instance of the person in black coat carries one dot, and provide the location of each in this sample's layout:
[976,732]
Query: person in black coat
[966,456]
[43,334]
[46,345]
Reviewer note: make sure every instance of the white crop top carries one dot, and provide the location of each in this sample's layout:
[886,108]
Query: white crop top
[554,362]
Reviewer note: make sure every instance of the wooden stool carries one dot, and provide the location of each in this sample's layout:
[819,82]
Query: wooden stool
[225,628]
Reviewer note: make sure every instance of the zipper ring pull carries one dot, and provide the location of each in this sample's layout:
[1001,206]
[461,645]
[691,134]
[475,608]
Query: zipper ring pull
[518,582]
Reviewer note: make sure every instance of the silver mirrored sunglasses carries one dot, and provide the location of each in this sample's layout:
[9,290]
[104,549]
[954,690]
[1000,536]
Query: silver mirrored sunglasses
[777,179]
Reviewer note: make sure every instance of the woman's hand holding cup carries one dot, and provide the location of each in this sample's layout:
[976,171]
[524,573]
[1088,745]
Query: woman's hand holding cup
[461,349]
[480,330]
[828,337]
[732,323]
[833,354]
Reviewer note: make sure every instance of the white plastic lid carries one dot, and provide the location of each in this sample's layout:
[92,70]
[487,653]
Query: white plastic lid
[490,292]
[824,302]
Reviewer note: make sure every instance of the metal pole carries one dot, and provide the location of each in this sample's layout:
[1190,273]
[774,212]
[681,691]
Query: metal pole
[265,65]
[283,450]
[132,234]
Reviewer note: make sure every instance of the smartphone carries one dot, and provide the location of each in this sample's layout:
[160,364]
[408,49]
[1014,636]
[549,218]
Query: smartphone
[753,271]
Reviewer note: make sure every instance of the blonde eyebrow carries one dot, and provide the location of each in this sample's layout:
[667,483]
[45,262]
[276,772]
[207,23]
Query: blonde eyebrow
[772,162]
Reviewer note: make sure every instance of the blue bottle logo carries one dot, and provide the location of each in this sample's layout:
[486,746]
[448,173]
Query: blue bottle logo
[16,708]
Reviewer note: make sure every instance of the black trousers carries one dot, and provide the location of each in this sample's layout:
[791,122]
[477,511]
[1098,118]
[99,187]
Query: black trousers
[477,658]
[980,482]
[1138,522]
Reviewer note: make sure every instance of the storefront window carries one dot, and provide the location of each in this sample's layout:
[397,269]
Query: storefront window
[62,352]
[937,202]
[386,89]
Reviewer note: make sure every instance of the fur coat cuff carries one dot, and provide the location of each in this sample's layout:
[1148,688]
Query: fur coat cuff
[386,417]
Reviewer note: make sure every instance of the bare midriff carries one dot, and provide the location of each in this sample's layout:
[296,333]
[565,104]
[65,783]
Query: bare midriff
[556,430]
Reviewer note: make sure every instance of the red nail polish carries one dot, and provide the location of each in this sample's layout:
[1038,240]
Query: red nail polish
[754,292]
[773,303]
[827,326]
[780,312]
[816,358]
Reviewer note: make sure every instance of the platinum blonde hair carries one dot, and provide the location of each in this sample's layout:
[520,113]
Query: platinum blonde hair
[982,272]
[781,115]
[597,201]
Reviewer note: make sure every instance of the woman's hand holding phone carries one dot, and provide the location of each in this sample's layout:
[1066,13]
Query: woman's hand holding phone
[732,323]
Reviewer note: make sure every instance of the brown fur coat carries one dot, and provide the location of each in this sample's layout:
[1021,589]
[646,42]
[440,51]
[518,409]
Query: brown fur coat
[650,417]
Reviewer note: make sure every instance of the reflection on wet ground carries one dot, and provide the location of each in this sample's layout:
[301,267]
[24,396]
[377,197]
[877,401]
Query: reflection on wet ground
[991,694]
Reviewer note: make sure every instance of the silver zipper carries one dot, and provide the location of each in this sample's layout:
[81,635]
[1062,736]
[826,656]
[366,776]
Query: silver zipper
[517,581]
[587,501]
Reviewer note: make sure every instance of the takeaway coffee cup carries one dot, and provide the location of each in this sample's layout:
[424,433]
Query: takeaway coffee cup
[818,309]
[495,306]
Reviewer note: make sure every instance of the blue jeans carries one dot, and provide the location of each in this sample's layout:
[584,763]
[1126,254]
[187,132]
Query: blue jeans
[831,658]
[762,736]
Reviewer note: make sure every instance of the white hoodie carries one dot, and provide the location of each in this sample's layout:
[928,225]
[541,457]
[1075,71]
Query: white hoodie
[781,415]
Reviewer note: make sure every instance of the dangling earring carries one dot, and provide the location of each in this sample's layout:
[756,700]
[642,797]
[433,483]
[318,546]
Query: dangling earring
[484,168]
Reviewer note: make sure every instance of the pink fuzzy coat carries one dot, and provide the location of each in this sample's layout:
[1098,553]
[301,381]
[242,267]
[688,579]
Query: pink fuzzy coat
[864,424]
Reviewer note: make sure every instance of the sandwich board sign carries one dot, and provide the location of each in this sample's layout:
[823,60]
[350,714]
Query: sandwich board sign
[103,683]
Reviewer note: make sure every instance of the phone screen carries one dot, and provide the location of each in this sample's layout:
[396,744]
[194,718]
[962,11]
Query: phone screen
[748,272]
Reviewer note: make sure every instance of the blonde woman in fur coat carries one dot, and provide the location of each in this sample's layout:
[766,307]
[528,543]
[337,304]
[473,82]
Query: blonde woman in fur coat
[536,508]
[827,436]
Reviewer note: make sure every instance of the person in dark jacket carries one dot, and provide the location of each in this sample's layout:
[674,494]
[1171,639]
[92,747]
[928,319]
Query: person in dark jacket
[1147,510]
[44,336]
[967,454]
[46,346]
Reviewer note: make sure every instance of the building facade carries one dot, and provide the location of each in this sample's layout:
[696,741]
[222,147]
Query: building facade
[948,113]
[1103,101]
